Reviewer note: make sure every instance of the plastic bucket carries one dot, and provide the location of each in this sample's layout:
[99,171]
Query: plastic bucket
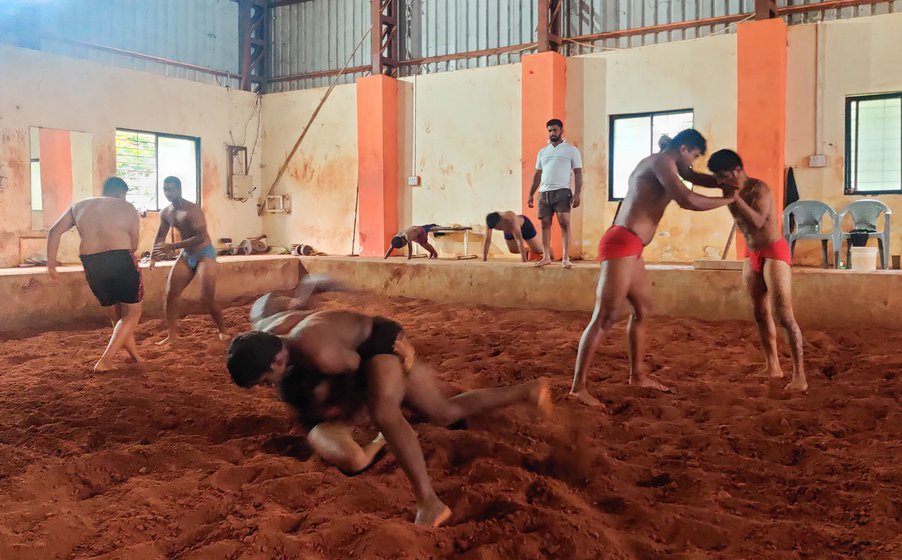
[864,258]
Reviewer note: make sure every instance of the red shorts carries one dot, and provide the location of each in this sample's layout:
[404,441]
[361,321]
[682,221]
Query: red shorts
[619,242]
[776,251]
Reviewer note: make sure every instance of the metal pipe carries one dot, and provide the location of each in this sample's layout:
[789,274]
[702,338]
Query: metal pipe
[143,56]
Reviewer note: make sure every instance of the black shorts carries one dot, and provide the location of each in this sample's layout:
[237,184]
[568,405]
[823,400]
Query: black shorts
[527,230]
[556,201]
[114,277]
[381,340]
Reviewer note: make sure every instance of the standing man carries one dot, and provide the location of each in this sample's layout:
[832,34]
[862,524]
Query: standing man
[767,269]
[652,186]
[197,257]
[108,227]
[554,164]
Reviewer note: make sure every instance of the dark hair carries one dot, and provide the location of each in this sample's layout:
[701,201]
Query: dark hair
[492,219]
[251,355]
[690,138]
[114,186]
[555,122]
[397,242]
[724,160]
[174,180]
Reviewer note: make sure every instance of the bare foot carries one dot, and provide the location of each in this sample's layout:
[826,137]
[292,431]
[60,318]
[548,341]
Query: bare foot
[543,262]
[797,385]
[102,366]
[224,336]
[168,340]
[648,381]
[540,394]
[771,372]
[138,359]
[585,398]
[566,263]
[433,513]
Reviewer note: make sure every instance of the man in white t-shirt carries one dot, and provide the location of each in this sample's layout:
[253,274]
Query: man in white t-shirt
[554,164]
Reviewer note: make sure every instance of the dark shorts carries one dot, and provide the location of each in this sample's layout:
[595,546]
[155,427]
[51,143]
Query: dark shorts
[527,230]
[381,340]
[558,200]
[423,237]
[114,277]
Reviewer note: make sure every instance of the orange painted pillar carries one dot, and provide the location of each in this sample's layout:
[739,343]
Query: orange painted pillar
[377,162]
[56,173]
[543,97]
[761,112]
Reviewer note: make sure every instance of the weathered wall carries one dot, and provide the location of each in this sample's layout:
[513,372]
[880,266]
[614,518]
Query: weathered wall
[463,141]
[58,92]
[698,75]
[675,290]
[322,176]
[30,300]
[859,56]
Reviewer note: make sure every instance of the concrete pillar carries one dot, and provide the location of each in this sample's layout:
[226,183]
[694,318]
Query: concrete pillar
[761,114]
[377,153]
[543,97]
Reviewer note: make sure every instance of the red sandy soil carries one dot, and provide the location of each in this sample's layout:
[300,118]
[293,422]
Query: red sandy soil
[169,460]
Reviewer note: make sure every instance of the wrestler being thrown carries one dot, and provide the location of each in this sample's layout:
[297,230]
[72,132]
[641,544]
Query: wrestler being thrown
[337,367]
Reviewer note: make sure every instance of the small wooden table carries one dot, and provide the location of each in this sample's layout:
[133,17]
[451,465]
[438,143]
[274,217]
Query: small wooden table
[455,229]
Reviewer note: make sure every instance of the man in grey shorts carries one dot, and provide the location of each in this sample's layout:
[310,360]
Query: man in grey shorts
[554,164]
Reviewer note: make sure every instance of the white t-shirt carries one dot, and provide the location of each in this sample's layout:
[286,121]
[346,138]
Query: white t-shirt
[556,164]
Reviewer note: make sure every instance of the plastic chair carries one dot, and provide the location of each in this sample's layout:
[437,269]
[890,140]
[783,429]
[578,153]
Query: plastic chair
[808,215]
[865,214]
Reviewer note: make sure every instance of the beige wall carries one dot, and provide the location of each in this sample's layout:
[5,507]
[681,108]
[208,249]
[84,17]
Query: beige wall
[462,137]
[64,93]
[322,176]
[858,56]
[698,75]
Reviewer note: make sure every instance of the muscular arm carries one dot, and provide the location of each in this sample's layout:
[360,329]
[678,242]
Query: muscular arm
[536,180]
[756,213]
[666,173]
[486,244]
[577,182]
[518,237]
[700,179]
[62,225]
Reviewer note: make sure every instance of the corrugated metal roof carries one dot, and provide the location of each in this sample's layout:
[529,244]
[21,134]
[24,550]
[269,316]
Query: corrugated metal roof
[203,33]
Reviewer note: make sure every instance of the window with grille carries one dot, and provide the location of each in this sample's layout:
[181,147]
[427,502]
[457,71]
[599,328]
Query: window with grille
[874,144]
[635,137]
[145,159]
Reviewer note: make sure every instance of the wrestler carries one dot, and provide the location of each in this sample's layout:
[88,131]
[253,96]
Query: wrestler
[767,269]
[652,186]
[335,368]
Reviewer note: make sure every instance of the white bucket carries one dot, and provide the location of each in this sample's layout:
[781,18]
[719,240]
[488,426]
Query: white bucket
[864,258]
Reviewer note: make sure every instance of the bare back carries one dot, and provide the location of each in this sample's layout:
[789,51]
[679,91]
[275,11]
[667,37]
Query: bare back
[189,220]
[509,222]
[105,224]
[646,199]
[758,195]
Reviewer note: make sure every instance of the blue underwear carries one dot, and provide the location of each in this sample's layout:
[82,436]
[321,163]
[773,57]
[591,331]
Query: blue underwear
[193,260]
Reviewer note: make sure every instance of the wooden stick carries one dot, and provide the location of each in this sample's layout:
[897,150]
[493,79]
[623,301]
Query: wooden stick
[262,202]
[726,248]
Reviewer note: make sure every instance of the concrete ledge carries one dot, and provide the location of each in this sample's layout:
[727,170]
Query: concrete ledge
[29,299]
[822,298]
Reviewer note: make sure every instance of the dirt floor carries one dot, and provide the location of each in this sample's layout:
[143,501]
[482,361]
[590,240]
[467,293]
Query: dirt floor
[169,460]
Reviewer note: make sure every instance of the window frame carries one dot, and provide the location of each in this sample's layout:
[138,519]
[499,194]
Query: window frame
[157,136]
[847,150]
[613,118]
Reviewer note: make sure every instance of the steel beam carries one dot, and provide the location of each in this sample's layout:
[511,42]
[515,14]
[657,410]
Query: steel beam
[385,37]
[253,32]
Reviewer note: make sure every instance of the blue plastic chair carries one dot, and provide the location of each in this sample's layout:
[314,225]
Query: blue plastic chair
[808,216]
[865,214]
